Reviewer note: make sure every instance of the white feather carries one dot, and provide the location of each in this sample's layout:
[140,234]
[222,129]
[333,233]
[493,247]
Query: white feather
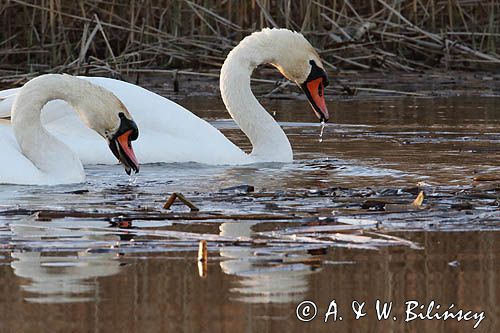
[32,155]
[170,133]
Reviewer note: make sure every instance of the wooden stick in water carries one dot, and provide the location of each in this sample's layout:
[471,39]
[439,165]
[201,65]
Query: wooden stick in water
[202,251]
[170,201]
[182,198]
[202,259]
[187,202]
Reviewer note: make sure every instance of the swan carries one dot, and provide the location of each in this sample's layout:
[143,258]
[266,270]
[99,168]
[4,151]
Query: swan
[170,133]
[30,155]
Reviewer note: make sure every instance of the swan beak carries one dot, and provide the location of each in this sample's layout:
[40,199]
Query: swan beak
[315,92]
[126,152]
[121,145]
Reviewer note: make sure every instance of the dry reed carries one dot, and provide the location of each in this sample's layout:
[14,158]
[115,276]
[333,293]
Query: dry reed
[114,37]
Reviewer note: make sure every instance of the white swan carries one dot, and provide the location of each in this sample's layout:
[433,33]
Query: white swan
[170,133]
[31,155]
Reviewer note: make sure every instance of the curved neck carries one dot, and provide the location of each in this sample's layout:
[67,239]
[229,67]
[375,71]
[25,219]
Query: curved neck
[268,139]
[47,153]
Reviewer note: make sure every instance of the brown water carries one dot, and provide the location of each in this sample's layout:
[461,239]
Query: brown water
[100,274]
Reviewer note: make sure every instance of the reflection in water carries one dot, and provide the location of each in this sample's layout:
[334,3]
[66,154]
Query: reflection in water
[62,277]
[163,292]
[265,278]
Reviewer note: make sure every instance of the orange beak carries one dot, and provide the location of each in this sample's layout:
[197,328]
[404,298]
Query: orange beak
[121,147]
[126,144]
[315,92]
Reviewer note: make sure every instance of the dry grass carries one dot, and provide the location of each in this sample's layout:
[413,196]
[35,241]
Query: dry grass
[113,37]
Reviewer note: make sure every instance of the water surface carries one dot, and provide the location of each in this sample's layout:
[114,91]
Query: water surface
[99,274]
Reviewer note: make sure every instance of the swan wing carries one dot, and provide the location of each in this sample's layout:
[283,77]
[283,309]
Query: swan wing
[167,131]
[170,133]
[60,120]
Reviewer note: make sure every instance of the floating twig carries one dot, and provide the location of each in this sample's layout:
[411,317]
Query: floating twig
[202,251]
[182,198]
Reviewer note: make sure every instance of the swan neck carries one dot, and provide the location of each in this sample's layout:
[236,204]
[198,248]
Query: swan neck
[46,152]
[268,140]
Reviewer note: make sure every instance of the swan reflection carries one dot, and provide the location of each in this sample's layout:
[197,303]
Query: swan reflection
[264,277]
[61,277]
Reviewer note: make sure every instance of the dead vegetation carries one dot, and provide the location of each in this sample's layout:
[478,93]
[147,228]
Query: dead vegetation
[114,38]
[362,218]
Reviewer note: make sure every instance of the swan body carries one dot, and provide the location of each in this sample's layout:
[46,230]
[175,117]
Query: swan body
[32,155]
[170,133]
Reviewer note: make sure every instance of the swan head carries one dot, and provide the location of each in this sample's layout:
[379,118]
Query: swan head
[103,112]
[299,62]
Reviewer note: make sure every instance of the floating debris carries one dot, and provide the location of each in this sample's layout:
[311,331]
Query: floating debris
[486,178]
[419,200]
[462,206]
[148,216]
[37,217]
[202,251]
[283,221]
[376,205]
[182,198]
[82,191]
[239,189]
[423,184]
